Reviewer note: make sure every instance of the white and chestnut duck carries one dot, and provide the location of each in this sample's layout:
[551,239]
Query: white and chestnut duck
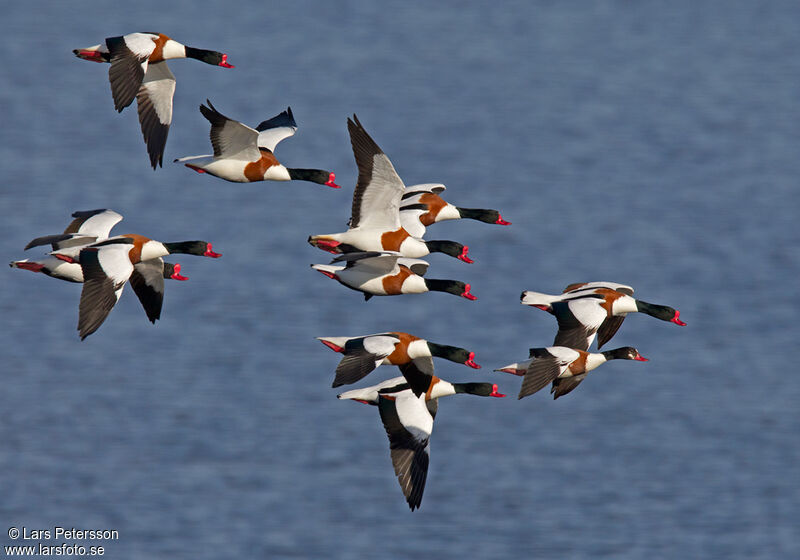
[139,70]
[108,265]
[54,267]
[564,367]
[422,206]
[362,354]
[407,417]
[382,273]
[375,217]
[245,155]
[439,388]
[92,226]
[591,309]
[87,228]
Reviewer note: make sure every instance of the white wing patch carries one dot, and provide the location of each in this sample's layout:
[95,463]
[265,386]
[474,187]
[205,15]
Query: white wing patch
[414,415]
[140,44]
[269,138]
[380,202]
[159,83]
[115,262]
[410,221]
[563,354]
[588,311]
[100,224]
[380,345]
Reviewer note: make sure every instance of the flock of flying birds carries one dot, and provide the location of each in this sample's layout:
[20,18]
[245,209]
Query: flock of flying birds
[378,255]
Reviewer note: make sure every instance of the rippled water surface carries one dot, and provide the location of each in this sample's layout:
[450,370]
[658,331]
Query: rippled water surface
[655,146]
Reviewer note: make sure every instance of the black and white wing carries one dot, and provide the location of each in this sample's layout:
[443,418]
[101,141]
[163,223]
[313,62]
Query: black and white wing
[564,385]
[87,227]
[371,394]
[589,286]
[362,355]
[97,223]
[376,199]
[578,321]
[154,101]
[377,262]
[546,366]
[408,424]
[278,128]
[229,138]
[105,271]
[129,56]
[414,190]
[417,266]
[147,281]
[608,329]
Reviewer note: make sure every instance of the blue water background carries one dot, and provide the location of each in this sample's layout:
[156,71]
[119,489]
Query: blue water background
[653,144]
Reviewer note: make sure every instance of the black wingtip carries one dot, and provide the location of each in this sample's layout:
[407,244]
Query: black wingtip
[211,114]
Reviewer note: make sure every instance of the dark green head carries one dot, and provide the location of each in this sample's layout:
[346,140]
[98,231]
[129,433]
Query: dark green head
[451,248]
[624,353]
[200,248]
[662,312]
[486,216]
[454,354]
[479,389]
[318,176]
[454,287]
[213,58]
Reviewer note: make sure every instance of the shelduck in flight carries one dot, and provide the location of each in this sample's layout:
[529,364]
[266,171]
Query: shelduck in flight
[362,354]
[245,155]
[139,71]
[375,216]
[594,308]
[564,367]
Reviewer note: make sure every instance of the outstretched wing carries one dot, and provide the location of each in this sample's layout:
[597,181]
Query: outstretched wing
[147,281]
[105,271]
[154,101]
[408,424]
[87,227]
[94,222]
[129,56]
[564,385]
[278,128]
[229,138]
[540,372]
[608,329]
[578,321]
[361,356]
[376,199]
